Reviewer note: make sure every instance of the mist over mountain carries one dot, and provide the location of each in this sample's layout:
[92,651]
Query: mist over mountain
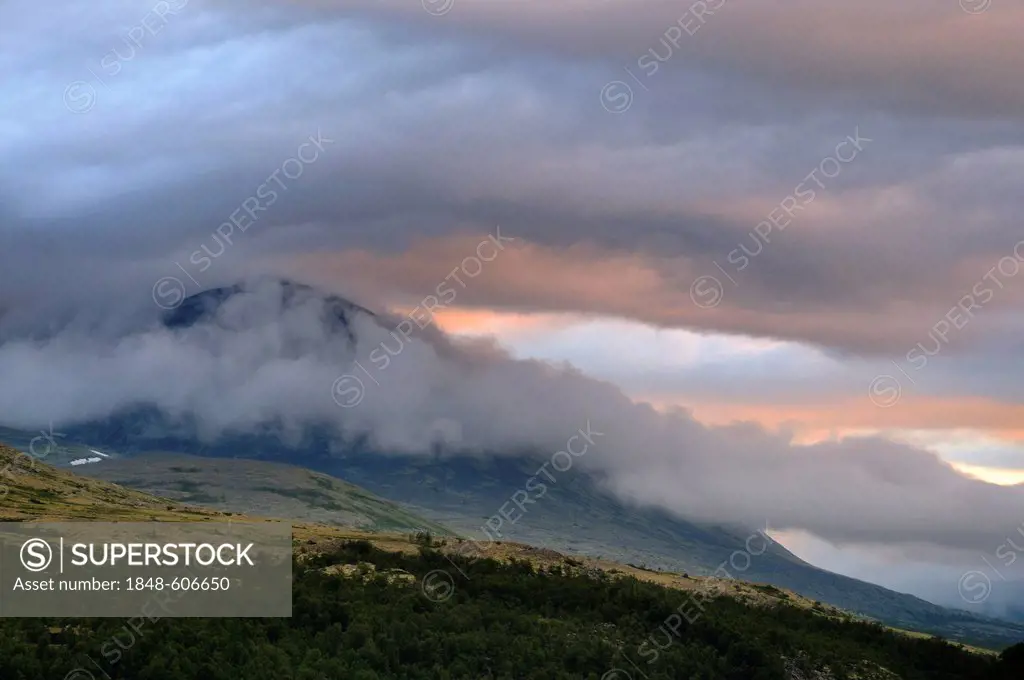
[273,357]
[654,279]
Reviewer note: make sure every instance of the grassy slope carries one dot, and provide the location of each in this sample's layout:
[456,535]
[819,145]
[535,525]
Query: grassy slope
[575,516]
[578,517]
[34,491]
[39,492]
[248,486]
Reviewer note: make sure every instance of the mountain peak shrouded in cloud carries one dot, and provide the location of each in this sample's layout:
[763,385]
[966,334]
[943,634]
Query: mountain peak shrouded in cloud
[268,355]
[841,180]
[213,306]
[741,115]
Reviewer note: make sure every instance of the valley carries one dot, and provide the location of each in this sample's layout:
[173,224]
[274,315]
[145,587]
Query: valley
[575,517]
[368,603]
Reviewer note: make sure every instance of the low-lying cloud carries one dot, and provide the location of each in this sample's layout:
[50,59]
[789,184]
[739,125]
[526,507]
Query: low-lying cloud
[258,361]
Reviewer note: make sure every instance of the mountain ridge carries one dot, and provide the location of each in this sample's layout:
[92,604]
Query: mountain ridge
[512,608]
[481,484]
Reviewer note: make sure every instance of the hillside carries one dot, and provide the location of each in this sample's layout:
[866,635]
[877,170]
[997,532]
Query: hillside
[577,515]
[386,605]
[273,489]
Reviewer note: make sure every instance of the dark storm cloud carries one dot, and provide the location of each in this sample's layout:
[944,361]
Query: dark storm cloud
[263,362]
[916,55]
[123,159]
[490,114]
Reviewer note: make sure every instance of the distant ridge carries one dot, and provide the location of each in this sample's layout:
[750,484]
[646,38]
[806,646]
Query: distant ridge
[462,492]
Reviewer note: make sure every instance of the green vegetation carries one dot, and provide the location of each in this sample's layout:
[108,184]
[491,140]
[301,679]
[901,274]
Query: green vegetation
[470,492]
[247,486]
[311,497]
[576,515]
[394,606]
[497,620]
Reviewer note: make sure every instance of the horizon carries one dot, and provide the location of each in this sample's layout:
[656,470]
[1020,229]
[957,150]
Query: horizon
[772,250]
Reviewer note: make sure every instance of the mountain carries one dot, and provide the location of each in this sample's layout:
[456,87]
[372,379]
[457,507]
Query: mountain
[251,487]
[337,313]
[370,606]
[575,515]
[465,492]
[236,485]
[51,446]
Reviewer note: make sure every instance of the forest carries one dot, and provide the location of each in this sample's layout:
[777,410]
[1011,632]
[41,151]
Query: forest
[452,618]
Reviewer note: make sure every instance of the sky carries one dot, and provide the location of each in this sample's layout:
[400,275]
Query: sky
[791,229]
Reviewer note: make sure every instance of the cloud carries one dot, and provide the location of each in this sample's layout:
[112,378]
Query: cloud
[260,361]
[446,126]
[127,148]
